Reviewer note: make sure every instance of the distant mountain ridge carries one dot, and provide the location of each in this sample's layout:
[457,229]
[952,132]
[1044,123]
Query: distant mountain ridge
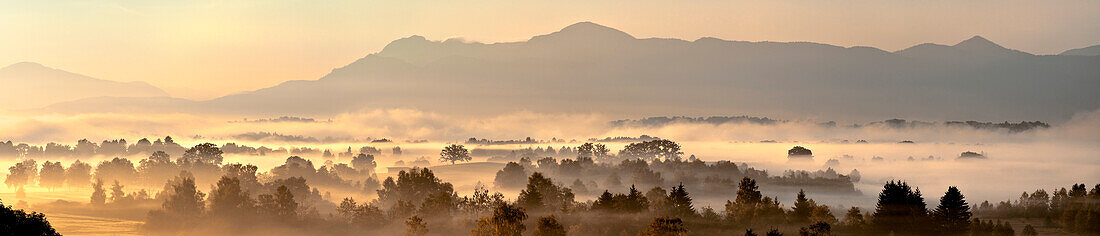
[32,85]
[588,67]
[1085,51]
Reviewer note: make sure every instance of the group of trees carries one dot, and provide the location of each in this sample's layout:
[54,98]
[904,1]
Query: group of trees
[1075,210]
[85,148]
[204,161]
[52,175]
[417,202]
[120,147]
[15,222]
[594,168]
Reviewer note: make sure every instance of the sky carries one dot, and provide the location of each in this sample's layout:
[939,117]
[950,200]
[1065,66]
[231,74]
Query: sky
[203,49]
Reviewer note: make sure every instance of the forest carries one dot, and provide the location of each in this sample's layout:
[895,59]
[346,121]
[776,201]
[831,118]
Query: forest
[645,189]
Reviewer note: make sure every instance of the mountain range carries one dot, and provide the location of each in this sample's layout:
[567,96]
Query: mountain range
[28,85]
[587,67]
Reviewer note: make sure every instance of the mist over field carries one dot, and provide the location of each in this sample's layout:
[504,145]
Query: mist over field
[1019,159]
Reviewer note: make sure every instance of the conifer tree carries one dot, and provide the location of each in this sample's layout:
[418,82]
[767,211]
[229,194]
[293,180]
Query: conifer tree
[802,209]
[679,203]
[901,210]
[952,216]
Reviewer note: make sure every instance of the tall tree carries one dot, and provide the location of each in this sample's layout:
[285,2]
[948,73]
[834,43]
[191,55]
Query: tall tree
[901,210]
[184,198]
[803,207]
[228,199]
[52,175]
[99,195]
[22,173]
[79,174]
[542,193]
[747,192]
[679,203]
[952,216]
[507,220]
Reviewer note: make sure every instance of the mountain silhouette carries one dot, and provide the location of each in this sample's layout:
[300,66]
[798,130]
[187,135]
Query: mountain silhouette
[977,49]
[587,67]
[32,85]
[1085,51]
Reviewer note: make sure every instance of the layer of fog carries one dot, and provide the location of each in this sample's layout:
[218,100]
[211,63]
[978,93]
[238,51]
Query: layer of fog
[1059,156]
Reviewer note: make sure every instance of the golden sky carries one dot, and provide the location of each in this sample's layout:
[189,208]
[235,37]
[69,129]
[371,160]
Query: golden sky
[204,48]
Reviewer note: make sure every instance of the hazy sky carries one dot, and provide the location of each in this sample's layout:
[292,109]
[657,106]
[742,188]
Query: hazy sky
[199,49]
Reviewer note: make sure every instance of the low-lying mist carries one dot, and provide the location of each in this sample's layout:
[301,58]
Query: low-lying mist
[925,154]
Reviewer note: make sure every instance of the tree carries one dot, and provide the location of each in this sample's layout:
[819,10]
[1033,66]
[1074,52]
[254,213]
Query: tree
[590,150]
[653,149]
[52,175]
[202,154]
[285,205]
[228,199]
[22,173]
[803,207]
[79,174]
[542,192]
[823,214]
[182,207]
[454,153]
[511,177]
[679,203]
[99,196]
[364,163]
[412,186]
[117,195]
[158,167]
[116,169]
[750,209]
[901,210]
[1029,231]
[549,226]
[747,192]
[662,226]
[18,222]
[183,197]
[507,220]
[854,219]
[415,226]
[952,216]
[816,229]
[439,204]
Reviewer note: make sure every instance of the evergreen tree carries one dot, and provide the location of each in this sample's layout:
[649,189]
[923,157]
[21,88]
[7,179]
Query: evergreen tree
[901,210]
[747,192]
[802,209]
[634,201]
[952,216]
[679,203]
[605,202]
[1029,231]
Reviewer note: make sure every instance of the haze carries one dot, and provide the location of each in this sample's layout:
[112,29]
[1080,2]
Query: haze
[550,118]
[247,45]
